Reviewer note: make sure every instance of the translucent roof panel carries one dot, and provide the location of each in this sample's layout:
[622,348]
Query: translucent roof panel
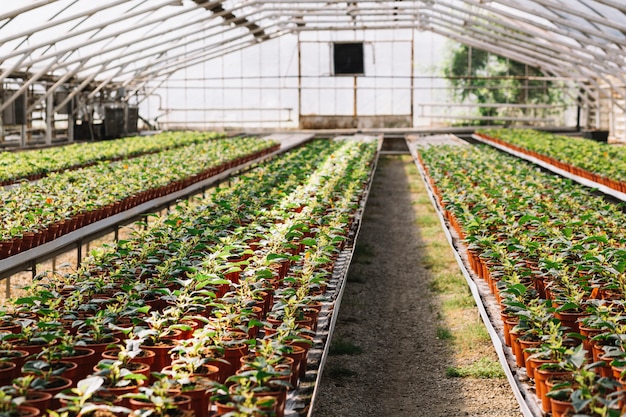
[128,42]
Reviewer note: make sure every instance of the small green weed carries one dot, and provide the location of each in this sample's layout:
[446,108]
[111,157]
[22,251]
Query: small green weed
[482,368]
[344,347]
[444,333]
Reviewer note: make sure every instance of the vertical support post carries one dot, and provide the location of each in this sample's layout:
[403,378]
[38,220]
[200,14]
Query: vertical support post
[70,124]
[412,98]
[598,108]
[116,233]
[354,112]
[299,81]
[49,119]
[23,135]
[33,270]
[29,120]
[7,287]
[79,253]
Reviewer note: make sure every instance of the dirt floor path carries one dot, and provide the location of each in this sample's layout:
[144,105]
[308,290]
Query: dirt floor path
[387,359]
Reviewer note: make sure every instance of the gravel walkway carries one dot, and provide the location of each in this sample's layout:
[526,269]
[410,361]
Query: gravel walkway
[393,364]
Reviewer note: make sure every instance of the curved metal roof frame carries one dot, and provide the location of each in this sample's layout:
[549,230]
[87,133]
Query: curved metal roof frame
[130,42]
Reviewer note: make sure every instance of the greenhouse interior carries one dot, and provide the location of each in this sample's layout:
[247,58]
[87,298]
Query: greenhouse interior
[313,208]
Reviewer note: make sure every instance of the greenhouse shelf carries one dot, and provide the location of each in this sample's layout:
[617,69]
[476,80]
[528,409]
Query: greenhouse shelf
[583,181]
[304,397]
[22,260]
[480,291]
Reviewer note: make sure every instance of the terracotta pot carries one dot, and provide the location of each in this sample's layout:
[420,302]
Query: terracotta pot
[162,356]
[588,334]
[222,409]
[31,349]
[570,319]
[146,356]
[99,348]
[5,249]
[541,376]
[516,348]
[305,343]
[57,384]
[528,344]
[38,399]
[298,355]
[280,399]
[7,372]
[84,359]
[560,408]
[28,411]
[200,399]
[115,393]
[18,357]
[233,355]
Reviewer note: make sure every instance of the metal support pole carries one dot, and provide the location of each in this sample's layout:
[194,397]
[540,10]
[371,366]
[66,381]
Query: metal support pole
[70,126]
[412,92]
[354,115]
[49,119]
[79,253]
[299,82]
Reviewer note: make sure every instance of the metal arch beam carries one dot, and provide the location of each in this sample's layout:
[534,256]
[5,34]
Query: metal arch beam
[184,59]
[560,20]
[585,51]
[588,41]
[566,48]
[513,55]
[586,16]
[165,47]
[533,35]
[524,49]
[487,46]
[142,52]
[582,39]
[76,91]
[24,87]
[506,44]
[82,31]
[554,66]
[24,9]
[619,5]
[60,64]
[187,29]
[564,53]
[94,40]
[538,53]
[52,88]
[53,23]
[189,61]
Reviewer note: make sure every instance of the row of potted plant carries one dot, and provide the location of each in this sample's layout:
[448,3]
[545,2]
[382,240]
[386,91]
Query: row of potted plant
[554,256]
[37,212]
[35,164]
[593,160]
[225,291]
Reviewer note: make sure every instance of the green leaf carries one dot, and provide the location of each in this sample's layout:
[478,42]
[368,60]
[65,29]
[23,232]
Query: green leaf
[86,387]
